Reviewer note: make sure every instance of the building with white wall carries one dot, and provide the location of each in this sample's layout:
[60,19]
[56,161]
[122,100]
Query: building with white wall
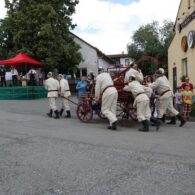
[92,57]
[121,59]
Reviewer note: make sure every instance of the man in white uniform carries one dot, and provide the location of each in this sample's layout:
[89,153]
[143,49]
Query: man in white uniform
[141,102]
[134,70]
[165,99]
[64,93]
[52,86]
[107,93]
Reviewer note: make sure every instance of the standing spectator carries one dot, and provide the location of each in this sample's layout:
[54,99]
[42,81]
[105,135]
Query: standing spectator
[81,87]
[41,77]
[187,82]
[187,96]
[14,76]
[2,75]
[32,72]
[91,76]
[148,80]
[178,100]
[90,79]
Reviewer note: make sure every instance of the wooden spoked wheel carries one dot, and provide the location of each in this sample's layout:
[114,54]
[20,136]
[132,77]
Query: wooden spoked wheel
[84,112]
[100,114]
[126,111]
[120,111]
[132,112]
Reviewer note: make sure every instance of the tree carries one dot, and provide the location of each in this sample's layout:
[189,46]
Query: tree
[41,29]
[151,40]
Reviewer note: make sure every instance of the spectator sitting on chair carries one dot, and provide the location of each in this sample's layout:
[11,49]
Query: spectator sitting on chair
[32,72]
[14,76]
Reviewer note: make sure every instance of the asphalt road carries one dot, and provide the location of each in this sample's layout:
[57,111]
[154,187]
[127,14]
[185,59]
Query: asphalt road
[43,156]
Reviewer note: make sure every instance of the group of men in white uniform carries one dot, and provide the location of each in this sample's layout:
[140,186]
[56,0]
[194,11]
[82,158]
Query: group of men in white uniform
[106,92]
[142,94]
[55,88]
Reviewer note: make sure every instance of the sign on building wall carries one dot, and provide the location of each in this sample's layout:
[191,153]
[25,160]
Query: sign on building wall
[191,39]
[184,44]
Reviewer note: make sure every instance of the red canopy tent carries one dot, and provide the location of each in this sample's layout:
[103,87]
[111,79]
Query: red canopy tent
[21,59]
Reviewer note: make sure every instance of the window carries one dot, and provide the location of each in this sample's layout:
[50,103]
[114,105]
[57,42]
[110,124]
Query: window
[117,63]
[174,79]
[126,62]
[185,67]
[189,4]
[83,71]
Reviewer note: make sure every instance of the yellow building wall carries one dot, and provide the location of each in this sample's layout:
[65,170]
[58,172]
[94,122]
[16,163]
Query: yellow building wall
[175,52]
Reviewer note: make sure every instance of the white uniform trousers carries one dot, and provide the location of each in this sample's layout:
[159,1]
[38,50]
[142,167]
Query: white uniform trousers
[166,105]
[143,110]
[52,103]
[108,108]
[65,104]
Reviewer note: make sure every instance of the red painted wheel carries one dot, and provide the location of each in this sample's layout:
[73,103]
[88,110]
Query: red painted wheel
[120,110]
[100,115]
[84,112]
[125,111]
[132,112]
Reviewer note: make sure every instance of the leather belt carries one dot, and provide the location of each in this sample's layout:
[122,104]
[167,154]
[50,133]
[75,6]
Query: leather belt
[164,92]
[140,94]
[106,88]
[52,90]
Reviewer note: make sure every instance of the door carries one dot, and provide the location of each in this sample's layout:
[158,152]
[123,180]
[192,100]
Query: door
[174,79]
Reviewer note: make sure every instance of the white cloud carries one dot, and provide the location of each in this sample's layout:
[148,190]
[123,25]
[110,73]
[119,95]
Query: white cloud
[113,24]
[116,22]
[2,9]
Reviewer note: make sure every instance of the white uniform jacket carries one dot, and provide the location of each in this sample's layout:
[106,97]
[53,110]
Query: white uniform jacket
[161,85]
[52,86]
[104,80]
[138,91]
[64,88]
[138,75]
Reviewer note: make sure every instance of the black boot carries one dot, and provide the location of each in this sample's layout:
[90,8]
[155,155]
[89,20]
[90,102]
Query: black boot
[145,127]
[173,121]
[181,119]
[163,119]
[56,114]
[61,112]
[68,114]
[113,126]
[50,113]
[156,122]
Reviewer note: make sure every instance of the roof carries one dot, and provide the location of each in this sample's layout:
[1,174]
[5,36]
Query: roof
[119,55]
[99,53]
[177,13]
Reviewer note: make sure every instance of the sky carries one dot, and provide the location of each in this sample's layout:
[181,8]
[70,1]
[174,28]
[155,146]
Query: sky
[110,24]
